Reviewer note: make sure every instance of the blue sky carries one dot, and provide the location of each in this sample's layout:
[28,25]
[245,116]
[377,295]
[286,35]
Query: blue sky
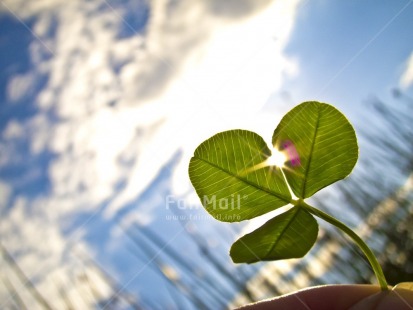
[102,104]
[348,51]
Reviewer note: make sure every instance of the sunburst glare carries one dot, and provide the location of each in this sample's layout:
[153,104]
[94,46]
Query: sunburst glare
[277,158]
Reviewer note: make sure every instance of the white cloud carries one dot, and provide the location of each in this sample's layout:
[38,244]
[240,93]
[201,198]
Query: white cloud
[26,9]
[224,84]
[29,238]
[5,193]
[20,86]
[406,79]
[13,130]
[192,78]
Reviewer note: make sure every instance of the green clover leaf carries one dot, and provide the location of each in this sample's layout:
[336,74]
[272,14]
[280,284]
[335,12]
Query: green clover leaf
[227,177]
[325,142]
[288,235]
[235,178]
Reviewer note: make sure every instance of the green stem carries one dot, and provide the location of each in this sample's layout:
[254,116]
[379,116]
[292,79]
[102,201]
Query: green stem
[362,245]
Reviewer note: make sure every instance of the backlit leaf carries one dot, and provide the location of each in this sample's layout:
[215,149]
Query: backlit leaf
[288,235]
[229,175]
[325,145]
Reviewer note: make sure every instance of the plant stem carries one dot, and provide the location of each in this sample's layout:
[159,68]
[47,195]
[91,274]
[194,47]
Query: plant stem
[362,245]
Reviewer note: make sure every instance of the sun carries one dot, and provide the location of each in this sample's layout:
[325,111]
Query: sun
[276,159]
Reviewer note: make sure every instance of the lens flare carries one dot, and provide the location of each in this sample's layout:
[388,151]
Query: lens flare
[276,159]
[291,153]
